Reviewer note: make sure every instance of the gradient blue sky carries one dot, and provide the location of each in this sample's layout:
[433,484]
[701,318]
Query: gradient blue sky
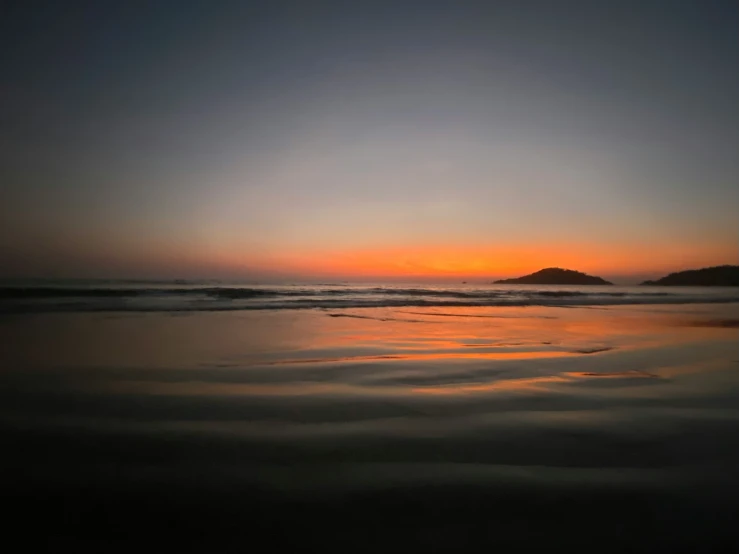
[258,139]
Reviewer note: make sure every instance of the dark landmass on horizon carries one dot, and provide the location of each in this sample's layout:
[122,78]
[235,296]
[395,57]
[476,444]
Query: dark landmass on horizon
[555,276]
[718,276]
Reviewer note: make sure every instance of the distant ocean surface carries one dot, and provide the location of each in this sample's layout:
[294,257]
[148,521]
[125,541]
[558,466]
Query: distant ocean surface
[207,296]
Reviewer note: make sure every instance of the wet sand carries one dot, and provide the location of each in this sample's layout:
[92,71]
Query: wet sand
[454,429]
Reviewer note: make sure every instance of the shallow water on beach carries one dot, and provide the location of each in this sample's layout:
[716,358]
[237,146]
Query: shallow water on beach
[315,405]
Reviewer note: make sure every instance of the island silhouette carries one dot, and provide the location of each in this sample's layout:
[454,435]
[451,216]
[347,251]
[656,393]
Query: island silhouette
[717,276]
[555,276]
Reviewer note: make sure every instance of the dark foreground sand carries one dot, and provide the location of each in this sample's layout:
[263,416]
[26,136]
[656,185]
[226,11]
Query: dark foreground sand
[598,430]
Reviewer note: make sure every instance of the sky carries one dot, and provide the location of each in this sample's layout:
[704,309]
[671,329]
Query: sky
[367,139]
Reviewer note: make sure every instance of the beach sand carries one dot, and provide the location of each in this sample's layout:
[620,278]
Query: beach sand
[607,429]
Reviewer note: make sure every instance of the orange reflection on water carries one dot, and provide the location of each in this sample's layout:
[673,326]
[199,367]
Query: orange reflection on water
[530,383]
[630,374]
[514,333]
[427,356]
[248,339]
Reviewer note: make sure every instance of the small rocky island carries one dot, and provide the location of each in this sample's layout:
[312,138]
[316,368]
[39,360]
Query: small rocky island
[718,276]
[555,276]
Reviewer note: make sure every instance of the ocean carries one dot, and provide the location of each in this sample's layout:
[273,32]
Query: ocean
[208,296]
[372,417]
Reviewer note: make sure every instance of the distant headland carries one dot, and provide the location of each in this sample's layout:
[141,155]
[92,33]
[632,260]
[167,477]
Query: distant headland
[555,276]
[718,276]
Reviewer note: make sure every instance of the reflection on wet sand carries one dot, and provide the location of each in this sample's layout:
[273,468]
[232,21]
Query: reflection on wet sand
[495,354]
[532,383]
[521,406]
[372,354]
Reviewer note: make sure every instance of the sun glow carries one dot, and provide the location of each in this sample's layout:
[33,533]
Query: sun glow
[489,261]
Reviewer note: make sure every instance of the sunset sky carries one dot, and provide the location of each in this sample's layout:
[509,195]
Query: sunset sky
[368,139]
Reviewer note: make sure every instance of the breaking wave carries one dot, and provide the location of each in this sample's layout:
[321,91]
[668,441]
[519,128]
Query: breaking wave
[125,297]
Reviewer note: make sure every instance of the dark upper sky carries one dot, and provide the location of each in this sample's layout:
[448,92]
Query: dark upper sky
[249,138]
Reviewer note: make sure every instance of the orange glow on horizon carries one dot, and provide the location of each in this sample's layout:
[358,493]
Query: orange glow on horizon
[446,261]
[503,261]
